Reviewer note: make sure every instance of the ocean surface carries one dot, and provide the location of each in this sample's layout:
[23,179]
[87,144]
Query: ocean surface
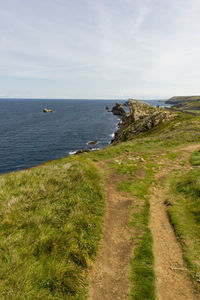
[29,137]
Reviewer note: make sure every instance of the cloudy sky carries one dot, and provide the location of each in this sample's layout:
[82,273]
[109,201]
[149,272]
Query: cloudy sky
[99,48]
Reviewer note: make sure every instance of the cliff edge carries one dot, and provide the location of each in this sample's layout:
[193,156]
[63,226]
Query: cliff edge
[141,117]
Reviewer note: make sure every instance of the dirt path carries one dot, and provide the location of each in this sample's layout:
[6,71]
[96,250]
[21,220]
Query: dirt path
[171,274]
[109,278]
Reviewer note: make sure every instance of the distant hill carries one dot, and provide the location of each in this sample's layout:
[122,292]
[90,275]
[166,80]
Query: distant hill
[180,99]
[188,104]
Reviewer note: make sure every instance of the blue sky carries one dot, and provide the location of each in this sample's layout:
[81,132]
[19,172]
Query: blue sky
[99,48]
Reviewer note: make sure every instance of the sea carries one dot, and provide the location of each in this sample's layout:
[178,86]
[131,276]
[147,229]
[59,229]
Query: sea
[29,137]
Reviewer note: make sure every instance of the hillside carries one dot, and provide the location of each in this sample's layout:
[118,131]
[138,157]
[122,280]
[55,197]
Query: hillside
[190,104]
[119,223]
[181,99]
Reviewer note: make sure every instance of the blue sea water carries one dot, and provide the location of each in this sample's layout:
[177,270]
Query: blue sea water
[29,137]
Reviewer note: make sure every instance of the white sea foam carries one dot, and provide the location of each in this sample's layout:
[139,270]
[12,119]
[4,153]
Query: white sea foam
[112,135]
[72,152]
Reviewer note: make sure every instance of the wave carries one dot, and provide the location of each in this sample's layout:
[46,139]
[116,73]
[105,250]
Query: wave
[72,152]
[112,135]
[94,149]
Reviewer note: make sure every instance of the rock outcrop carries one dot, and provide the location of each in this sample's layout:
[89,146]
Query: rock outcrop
[118,110]
[142,117]
[92,142]
[81,151]
[45,110]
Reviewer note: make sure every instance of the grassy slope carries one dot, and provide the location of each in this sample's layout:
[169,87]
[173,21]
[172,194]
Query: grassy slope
[188,106]
[180,99]
[51,217]
[142,262]
[152,147]
[50,227]
[142,276]
[184,212]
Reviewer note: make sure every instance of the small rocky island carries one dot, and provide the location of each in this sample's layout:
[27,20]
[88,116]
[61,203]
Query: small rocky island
[47,110]
[92,142]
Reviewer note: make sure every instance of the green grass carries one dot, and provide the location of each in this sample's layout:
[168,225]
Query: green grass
[184,213]
[50,227]
[142,262]
[173,155]
[195,158]
[142,277]
[190,106]
[51,215]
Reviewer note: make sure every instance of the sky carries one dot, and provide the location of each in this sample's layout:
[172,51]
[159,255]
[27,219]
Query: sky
[144,49]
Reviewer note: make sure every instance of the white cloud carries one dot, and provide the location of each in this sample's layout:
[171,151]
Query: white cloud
[104,48]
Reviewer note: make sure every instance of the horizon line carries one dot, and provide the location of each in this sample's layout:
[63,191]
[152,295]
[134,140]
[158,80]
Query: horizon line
[49,98]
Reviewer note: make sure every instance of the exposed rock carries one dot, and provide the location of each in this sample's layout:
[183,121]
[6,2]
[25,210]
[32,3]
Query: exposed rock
[81,151]
[92,142]
[118,110]
[86,150]
[142,117]
[108,108]
[45,110]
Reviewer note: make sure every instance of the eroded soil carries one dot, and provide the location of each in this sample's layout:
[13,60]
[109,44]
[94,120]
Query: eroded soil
[109,278]
[172,281]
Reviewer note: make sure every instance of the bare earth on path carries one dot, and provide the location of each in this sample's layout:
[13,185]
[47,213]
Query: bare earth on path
[109,278]
[172,281]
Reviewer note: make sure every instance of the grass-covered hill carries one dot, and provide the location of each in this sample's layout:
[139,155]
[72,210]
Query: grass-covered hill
[179,99]
[188,107]
[52,215]
[189,104]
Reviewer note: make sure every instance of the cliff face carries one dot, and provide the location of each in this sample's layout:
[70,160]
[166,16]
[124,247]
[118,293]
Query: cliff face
[142,117]
[118,110]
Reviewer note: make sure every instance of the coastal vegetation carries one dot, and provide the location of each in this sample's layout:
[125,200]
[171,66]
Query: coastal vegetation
[190,104]
[182,99]
[52,215]
[184,212]
[50,226]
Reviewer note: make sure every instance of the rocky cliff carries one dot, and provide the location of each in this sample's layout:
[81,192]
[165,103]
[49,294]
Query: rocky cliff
[141,117]
[118,110]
